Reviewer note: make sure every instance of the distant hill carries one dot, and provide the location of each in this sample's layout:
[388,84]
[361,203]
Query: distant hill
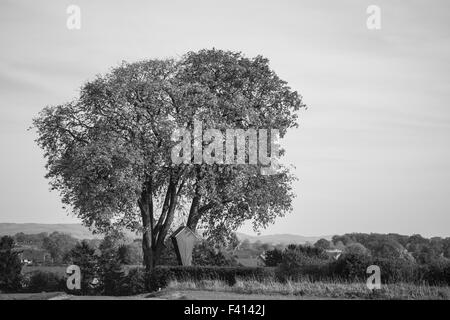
[80,232]
[281,238]
[75,230]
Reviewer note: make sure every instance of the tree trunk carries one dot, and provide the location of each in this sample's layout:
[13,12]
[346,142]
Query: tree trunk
[149,259]
[148,244]
[193,213]
[170,213]
[154,233]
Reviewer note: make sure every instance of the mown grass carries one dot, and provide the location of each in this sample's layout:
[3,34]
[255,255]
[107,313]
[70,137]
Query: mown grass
[335,290]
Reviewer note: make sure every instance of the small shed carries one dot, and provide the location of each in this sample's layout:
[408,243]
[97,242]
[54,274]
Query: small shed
[184,240]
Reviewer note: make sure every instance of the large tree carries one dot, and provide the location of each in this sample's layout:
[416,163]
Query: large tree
[109,151]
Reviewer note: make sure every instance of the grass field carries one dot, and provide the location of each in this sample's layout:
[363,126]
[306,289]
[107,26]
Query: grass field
[249,290]
[269,289]
[308,289]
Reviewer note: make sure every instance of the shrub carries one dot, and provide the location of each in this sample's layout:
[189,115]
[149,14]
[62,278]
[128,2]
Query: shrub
[314,270]
[161,275]
[40,281]
[10,266]
[323,244]
[351,266]
[133,282]
[356,248]
[306,251]
[204,254]
[396,270]
[168,256]
[130,253]
[110,272]
[435,273]
[84,256]
[300,262]
[273,257]
[110,276]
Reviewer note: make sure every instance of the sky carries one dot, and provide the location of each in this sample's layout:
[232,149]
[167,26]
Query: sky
[372,153]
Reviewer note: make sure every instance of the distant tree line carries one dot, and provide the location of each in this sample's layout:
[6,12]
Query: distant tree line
[113,266]
[400,258]
[415,248]
[57,246]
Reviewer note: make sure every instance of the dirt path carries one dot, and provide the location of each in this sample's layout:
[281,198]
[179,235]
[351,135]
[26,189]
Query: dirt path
[30,296]
[189,295]
[162,295]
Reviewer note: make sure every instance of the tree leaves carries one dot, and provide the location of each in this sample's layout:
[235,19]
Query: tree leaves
[104,148]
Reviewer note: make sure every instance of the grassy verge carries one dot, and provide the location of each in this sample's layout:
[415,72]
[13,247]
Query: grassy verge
[339,290]
[29,296]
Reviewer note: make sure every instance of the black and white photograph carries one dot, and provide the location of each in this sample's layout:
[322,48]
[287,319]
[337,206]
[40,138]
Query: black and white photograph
[224,156]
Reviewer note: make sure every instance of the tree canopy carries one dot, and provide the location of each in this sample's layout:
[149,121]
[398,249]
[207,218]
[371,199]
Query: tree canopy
[108,152]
